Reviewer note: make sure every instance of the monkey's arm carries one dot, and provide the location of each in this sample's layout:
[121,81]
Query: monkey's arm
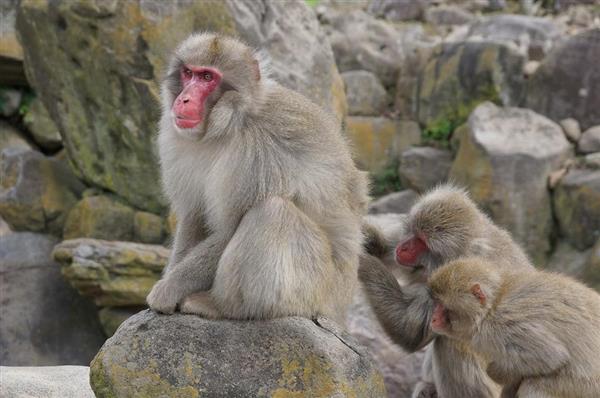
[190,231]
[404,312]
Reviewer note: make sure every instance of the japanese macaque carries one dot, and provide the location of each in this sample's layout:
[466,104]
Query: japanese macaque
[443,225]
[538,331]
[268,201]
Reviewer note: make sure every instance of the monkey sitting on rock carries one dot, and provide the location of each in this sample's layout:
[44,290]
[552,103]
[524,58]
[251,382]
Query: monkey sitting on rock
[539,331]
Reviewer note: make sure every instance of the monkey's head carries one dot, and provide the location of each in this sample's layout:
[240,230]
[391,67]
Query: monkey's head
[439,228]
[204,68]
[464,291]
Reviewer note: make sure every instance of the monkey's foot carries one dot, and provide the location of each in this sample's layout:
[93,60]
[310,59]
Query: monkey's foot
[199,303]
[425,390]
[161,298]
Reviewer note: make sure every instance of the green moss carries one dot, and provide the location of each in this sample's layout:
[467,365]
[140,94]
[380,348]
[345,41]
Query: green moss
[26,101]
[312,3]
[386,181]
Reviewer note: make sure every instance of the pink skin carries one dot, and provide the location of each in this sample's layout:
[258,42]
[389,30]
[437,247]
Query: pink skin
[439,319]
[409,251]
[198,83]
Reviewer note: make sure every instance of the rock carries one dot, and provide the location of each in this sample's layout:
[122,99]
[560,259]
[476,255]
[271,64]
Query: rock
[462,75]
[365,94]
[568,260]
[401,370]
[591,273]
[36,192]
[561,86]
[112,317]
[11,52]
[577,207]
[447,15]
[100,217]
[421,168]
[530,67]
[397,202]
[111,273]
[42,127]
[590,140]
[148,228]
[10,99]
[505,160]
[534,35]
[44,321]
[11,137]
[592,161]
[398,10]
[46,381]
[571,129]
[361,42]
[112,73]
[4,228]
[379,141]
[180,355]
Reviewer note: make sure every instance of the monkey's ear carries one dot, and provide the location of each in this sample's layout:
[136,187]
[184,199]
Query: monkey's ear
[256,69]
[478,293]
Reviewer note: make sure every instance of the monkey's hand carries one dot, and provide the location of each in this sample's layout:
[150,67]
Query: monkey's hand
[163,297]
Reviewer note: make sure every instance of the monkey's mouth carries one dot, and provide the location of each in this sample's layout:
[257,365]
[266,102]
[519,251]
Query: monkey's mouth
[186,123]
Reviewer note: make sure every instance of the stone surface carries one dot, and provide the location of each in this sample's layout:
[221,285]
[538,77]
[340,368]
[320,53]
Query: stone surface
[46,381]
[11,52]
[447,15]
[562,87]
[504,160]
[42,127]
[11,137]
[398,10]
[36,192]
[365,94]
[397,202]
[568,260]
[111,273]
[571,128]
[100,217]
[148,228]
[10,99]
[590,140]
[592,161]
[112,53]
[591,273]
[577,207]
[44,321]
[379,141]
[112,317]
[422,168]
[181,355]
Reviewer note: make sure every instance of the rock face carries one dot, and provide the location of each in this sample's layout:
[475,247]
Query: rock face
[44,321]
[398,10]
[154,355]
[112,273]
[36,192]
[42,127]
[10,137]
[577,207]
[590,140]
[397,202]
[11,52]
[46,381]
[112,53]
[365,94]
[591,273]
[505,159]
[561,87]
[422,168]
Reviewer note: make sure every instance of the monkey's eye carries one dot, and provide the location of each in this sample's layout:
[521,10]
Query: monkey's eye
[187,73]
[208,76]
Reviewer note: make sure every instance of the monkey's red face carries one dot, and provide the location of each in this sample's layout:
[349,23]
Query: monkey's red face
[439,319]
[409,251]
[198,83]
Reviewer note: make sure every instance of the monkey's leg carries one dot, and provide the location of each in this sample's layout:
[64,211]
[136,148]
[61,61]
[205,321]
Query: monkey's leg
[278,263]
[426,387]
[459,373]
[189,233]
[200,303]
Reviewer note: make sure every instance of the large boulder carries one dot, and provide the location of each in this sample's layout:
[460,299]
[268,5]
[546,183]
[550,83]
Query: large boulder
[112,273]
[11,52]
[396,202]
[46,381]
[422,168]
[365,93]
[591,272]
[154,355]
[577,207]
[111,54]
[566,259]
[563,86]
[36,192]
[590,140]
[11,137]
[398,10]
[42,127]
[505,159]
[44,321]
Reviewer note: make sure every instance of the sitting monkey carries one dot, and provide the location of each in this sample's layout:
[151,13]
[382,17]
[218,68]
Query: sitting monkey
[539,331]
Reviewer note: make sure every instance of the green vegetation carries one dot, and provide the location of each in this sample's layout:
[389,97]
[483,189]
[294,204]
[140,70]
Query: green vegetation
[386,181]
[312,3]
[26,100]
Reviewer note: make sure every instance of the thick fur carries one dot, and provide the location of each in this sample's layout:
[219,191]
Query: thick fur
[268,201]
[454,227]
[536,328]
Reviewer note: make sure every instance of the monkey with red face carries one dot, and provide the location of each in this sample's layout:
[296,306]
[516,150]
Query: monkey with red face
[268,201]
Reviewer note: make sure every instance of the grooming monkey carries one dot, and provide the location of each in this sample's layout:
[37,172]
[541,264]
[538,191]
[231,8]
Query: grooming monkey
[268,201]
[443,225]
[540,331]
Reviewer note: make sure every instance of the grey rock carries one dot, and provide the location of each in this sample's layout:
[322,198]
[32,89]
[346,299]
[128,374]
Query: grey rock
[112,317]
[568,260]
[577,207]
[571,128]
[42,127]
[397,202]
[11,137]
[448,15]
[44,321]
[398,10]
[422,168]
[148,228]
[592,160]
[561,86]
[505,160]
[590,140]
[11,53]
[591,273]
[46,382]
[365,94]
[176,355]
[10,99]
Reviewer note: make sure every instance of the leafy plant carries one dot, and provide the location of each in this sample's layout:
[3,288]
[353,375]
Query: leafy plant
[312,3]
[386,181]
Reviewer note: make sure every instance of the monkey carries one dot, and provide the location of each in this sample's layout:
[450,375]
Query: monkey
[539,331]
[444,224]
[268,200]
